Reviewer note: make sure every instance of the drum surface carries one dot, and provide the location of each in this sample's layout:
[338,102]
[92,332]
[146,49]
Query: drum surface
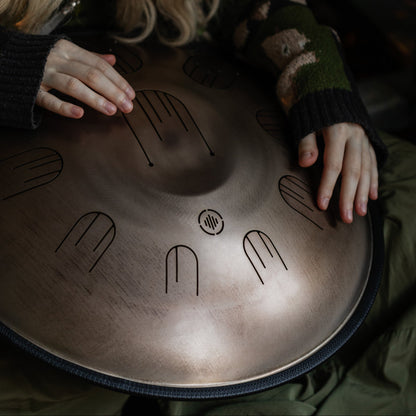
[177,250]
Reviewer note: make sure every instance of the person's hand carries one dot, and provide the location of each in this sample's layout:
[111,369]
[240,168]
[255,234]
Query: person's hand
[348,153]
[88,77]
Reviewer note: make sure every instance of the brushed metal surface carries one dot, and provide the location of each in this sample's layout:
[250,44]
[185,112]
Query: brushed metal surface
[178,245]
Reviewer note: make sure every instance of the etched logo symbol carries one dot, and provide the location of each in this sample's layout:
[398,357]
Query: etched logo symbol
[28,170]
[211,222]
[263,255]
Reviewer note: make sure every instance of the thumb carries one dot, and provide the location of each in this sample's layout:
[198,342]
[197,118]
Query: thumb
[308,151]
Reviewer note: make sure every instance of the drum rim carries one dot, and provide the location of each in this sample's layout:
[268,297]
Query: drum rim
[238,389]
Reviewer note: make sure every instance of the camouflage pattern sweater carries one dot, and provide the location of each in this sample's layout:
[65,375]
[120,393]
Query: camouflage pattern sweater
[313,84]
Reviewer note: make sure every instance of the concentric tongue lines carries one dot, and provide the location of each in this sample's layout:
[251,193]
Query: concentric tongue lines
[299,197]
[28,170]
[210,72]
[159,117]
[88,239]
[92,234]
[168,120]
[263,254]
[127,59]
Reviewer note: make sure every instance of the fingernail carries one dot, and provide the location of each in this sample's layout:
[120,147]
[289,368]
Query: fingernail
[110,108]
[324,202]
[304,158]
[77,112]
[349,215]
[363,207]
[126,105]
[130,92]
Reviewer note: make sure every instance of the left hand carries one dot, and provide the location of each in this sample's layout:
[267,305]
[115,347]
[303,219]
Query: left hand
[349,153]
[86,76]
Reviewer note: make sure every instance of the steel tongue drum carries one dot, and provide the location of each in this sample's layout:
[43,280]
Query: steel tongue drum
[177,250]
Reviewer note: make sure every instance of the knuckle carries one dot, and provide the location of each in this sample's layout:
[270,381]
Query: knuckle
[72,85]
[359,134]
[63,46]
[333,166]
[93,76]
[360,130]
[121,99]
[60,108]
[99,102]
[64,42]
[339,131]
[366,170]
[354,173]
[60,44]
[343,128]
[367,161]
[101,66]
[356,140]
[123,86]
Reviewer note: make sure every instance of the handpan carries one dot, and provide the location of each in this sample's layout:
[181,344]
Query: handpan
[177,250]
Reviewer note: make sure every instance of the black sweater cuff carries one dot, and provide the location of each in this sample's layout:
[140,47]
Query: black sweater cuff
[325,108]
[22,62]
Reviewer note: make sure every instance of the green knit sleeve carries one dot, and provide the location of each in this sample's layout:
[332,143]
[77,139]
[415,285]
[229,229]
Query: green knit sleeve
[313,84]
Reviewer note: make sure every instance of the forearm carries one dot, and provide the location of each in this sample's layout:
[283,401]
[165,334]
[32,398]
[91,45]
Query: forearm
[313,84]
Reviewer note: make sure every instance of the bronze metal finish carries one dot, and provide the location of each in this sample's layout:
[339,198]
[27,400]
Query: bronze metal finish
[178,245]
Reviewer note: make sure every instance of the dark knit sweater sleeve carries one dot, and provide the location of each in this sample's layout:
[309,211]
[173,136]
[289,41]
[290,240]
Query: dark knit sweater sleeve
[313,84]
[22,62]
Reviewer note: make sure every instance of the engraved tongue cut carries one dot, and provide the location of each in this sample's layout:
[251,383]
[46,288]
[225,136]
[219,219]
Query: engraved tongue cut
[28,170]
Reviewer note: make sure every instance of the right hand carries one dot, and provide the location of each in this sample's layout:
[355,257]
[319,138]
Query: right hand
[88,77]
[348,153]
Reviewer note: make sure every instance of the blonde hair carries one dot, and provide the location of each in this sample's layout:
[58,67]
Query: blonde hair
[188,17]
[27,16]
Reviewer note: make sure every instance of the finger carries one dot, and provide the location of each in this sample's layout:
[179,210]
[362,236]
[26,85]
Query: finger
[77,54]
[308,151]
[363,189]
[48,101]
[374,175]
[75,88]
[333,161]
[351,173]
[109,58]
[96,80]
